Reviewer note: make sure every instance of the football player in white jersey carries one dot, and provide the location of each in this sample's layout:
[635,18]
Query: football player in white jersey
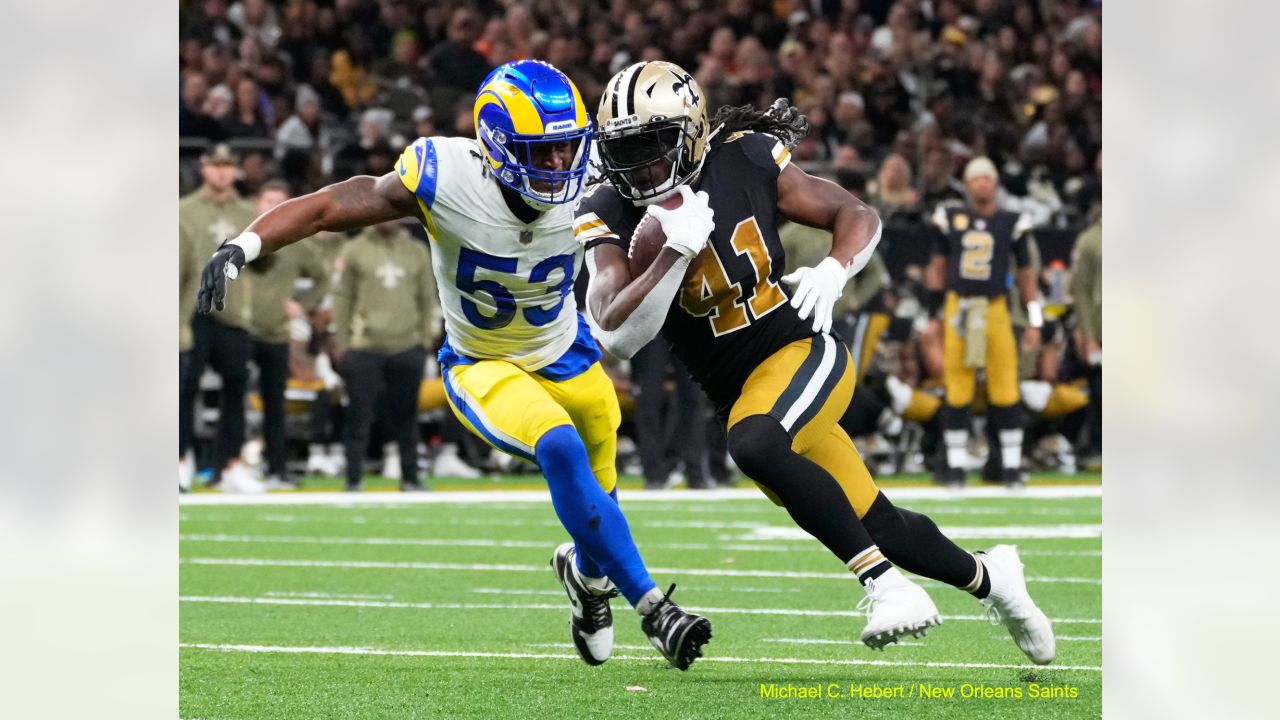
[521,369]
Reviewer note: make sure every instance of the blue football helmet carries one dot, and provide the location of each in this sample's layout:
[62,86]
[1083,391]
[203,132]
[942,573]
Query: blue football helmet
[524,104]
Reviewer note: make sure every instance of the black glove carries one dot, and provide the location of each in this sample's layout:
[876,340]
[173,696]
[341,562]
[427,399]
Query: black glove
[225,265]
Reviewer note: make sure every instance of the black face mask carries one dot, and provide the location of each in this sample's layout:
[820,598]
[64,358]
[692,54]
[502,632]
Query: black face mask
[633,161]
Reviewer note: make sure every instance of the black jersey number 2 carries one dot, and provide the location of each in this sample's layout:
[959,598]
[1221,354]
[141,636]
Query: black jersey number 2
[711,293]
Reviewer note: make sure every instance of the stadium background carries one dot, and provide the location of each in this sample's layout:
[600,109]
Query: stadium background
[899,95]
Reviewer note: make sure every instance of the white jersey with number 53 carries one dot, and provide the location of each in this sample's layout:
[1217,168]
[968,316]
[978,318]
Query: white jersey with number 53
[506,287]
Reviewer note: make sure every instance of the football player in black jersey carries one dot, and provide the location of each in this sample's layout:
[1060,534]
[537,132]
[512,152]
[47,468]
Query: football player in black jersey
[971,262]
[763,352]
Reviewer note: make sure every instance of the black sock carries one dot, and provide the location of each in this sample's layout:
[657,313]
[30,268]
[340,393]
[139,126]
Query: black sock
[914,543]
[980,587]
[869,564]
[762,449]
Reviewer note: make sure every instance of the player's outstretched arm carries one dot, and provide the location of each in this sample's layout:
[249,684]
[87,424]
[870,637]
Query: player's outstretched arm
[855,229]
[356,202]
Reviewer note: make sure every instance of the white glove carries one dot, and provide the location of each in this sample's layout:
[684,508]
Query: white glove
[688,226]
[817,290]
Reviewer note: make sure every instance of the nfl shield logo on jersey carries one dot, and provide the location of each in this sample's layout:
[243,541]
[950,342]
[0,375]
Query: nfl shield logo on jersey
[526,237]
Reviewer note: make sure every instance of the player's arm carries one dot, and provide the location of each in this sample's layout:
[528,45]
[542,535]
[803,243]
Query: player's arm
[625,313]
[1026,258]
[855,229]
[357,202]
[935,273]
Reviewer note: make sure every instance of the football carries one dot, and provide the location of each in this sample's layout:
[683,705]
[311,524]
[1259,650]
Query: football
[647,241]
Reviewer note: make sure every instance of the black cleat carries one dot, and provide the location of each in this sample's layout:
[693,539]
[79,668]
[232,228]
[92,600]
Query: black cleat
[992,473]
[590,618]
[412,486]
[678,634]
[1013,479]
[949,477]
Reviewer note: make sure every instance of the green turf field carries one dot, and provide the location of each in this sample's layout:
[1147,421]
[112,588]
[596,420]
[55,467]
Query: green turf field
[376,608]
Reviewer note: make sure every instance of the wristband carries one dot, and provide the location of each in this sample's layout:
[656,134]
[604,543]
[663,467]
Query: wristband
[250,243]
[1035,313]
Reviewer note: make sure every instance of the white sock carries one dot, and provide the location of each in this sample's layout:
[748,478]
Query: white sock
[957,452]
[1011,449]
[649,602]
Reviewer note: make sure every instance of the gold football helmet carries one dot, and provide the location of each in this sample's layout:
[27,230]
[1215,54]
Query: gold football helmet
[652,131]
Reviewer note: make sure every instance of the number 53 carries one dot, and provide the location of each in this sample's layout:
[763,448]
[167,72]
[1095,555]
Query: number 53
[504,302]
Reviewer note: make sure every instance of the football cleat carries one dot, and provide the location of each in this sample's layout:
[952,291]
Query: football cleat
[186,473]
[391,462]
[949,477]
[238,478]
[590,618]
[1013,478]
[678,634]
[448,464]
[895,607]
[1010,604]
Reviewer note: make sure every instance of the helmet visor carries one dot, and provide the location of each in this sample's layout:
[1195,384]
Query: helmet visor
[641,161]
[547,168]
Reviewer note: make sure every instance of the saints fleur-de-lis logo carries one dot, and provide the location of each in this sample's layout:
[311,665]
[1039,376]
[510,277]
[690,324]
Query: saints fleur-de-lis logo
[684,81]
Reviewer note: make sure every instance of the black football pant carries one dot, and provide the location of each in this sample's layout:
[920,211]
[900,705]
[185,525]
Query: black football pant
[272,360]
[387,384]
[1095,409]
[226,349]
[663,418]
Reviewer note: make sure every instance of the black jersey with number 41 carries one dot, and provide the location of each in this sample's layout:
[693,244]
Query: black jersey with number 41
[734,312]
[978,247]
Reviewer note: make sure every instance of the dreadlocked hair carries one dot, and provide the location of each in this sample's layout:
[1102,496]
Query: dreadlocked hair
[781,120]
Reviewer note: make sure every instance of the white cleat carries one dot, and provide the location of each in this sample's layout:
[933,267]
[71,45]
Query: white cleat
[319,462]
[448,464]
[1011,605]
[238,478]
[590,618]
[896,607]
[186,473]
[391,461]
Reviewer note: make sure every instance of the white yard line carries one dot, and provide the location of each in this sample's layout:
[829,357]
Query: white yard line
[568,645]
[957,532]
[483,567]
[327,596]
[774,544]
[341,499]
[560,593]
[321,602]
[624,658]
[819,641]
